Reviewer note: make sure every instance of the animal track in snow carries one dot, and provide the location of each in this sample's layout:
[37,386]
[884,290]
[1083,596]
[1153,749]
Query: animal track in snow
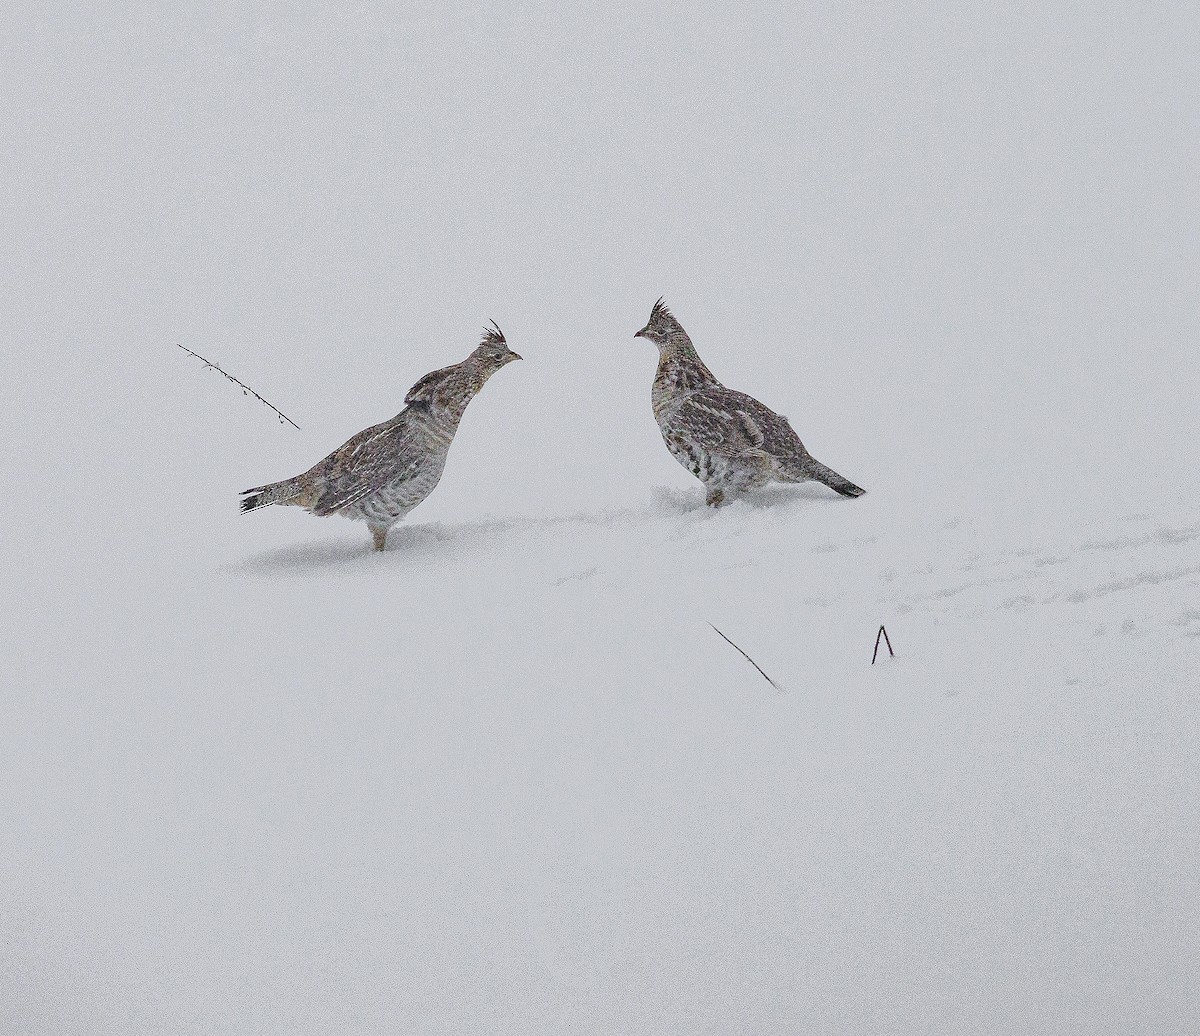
[1133,582]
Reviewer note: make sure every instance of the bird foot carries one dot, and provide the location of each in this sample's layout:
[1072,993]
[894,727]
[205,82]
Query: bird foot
[715,497]
[380,537]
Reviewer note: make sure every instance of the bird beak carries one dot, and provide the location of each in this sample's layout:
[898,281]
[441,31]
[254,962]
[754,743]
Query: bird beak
[514,356]
[640,334]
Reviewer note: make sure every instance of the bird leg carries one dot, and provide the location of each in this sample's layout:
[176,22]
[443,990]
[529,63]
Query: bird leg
[714,497]
[379,532]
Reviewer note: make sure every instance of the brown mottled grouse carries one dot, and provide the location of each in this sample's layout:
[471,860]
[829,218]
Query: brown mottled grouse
[728,440]
[385,471]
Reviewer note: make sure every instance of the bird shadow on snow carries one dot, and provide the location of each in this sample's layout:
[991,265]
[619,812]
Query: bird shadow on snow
[784,495]
[427,541]
[354,552]
[434,540]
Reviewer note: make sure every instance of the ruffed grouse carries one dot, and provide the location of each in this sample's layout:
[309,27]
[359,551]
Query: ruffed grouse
[728,440]
[385,471]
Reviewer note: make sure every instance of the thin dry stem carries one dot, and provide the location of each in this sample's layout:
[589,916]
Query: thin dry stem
[887,640]
[747,658]
[246,389]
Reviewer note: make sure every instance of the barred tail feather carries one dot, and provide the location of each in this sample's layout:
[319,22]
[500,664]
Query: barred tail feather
[262,496]
[842,485]
[815,471]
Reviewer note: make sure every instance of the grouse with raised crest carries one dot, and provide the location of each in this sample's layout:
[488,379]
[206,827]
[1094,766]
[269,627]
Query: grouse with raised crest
[728,440]
[384,471]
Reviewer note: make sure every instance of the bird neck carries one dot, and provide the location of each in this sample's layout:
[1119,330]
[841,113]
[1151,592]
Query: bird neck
[680,368]
[445,401]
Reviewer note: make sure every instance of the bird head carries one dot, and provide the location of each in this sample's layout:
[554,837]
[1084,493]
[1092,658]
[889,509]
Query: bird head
[493,352]
[662,326]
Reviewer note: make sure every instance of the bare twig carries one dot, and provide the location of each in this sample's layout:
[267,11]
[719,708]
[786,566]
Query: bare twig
[746,657]
[886,639]
[246,389]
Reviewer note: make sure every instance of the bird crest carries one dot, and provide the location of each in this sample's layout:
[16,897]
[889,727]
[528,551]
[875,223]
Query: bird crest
[662,325]
[493,335]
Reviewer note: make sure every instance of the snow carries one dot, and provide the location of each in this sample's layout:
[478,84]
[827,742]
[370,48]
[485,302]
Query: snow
[504,777]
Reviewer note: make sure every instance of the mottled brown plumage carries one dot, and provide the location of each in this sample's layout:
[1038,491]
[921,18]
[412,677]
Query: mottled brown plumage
[384,471]
[728,440]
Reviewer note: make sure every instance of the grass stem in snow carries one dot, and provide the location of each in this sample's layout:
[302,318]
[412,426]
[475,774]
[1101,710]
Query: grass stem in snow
[246,389]
[746,657]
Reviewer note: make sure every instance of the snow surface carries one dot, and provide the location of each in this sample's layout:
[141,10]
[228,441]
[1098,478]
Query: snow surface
[504,777]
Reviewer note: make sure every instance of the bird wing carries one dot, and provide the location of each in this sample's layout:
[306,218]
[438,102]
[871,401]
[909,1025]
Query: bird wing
[371,459]
[732,424]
